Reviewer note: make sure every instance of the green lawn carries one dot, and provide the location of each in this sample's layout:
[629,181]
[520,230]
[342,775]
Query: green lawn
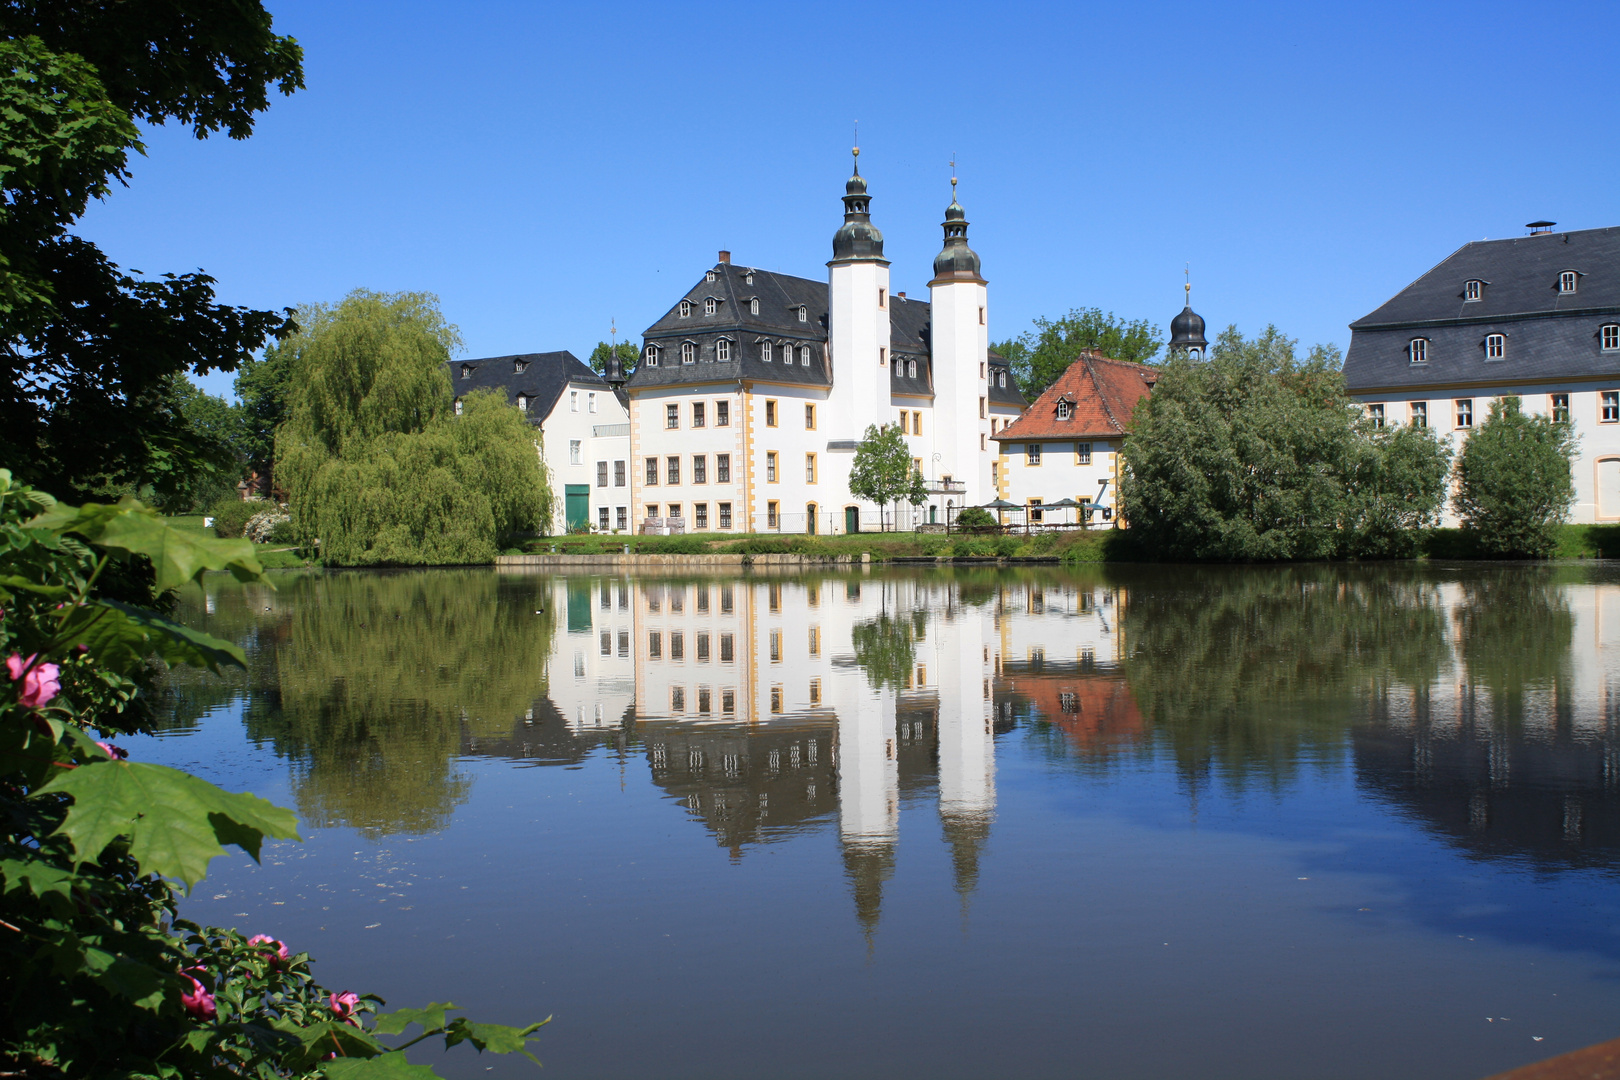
[1070,546]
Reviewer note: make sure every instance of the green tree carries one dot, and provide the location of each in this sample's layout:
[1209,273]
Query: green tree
[87,349]
[212,420]
[1514,483]
[377,460]
[264,388]
[1040,355]
[1254,455]
[626,352]
[883,471]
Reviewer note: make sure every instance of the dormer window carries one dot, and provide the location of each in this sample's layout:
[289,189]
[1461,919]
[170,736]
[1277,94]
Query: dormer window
[652,356]
[1495,346]
[753,306]
[466,371]
[523,402]
[458,406]
[709,276]
[748,279]
[1568,281]
[911,369]
[1473,290]
[722,351]
[1417,350]
[787,355]
[1002,377]
[804,355]
[1610,337]
[765,351]
[686,308]
[804,313]
[1065,408]
[708,305]
[518,366]
[688,353]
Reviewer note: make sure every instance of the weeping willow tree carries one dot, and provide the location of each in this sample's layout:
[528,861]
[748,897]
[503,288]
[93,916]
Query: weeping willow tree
[374,458]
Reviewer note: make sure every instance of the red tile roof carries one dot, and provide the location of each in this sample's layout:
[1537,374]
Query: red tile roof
[1104,393]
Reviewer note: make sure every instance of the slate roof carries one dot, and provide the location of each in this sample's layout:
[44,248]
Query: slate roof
[1104,393]
[1550,336]
[543,379]
[1004,395]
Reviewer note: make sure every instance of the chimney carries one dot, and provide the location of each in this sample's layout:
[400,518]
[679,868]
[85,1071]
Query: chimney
[725,258]
[901,295]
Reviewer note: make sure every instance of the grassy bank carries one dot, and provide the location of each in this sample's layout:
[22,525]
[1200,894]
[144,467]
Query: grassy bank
[1099,546]
[1574,542]
[270,557]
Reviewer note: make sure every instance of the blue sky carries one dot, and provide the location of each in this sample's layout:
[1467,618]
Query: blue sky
[545,168]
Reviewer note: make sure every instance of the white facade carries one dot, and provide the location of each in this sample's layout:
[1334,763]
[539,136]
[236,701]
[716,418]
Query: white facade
[1047,471]
[1593,414]
[586,429]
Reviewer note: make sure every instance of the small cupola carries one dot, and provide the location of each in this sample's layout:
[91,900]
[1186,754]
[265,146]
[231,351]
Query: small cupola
[857,240]
[956,259]
[1187,330]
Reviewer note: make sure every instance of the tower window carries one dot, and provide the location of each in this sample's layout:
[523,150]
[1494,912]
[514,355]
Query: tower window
[686,308]
[1610,336]
[770,467]
[708,305]
[981,316]
[753,306]
[1473,290]
[809,468]
[1418,350]
[883,297]
[652,356]
[883,356]
[804,313]
[1495,346]
[722,350]
[1568,281]
[765,351]
[809,417]
[688,353]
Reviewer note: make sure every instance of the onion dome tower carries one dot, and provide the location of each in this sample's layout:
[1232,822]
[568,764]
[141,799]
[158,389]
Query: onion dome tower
[1187,330]
[857,240]
[957,260]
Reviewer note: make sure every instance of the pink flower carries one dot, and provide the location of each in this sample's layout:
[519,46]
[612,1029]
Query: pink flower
[199,1003]
[117,753]
[40,683]
[279,952]
[344,1005]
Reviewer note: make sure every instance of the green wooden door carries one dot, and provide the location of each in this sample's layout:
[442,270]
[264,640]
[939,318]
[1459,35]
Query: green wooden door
[579,506]
[852,519]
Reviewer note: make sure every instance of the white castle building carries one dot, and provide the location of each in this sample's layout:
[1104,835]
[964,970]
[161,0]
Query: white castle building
[755,389]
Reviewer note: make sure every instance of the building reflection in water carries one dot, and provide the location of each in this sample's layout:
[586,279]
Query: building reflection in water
[766,705]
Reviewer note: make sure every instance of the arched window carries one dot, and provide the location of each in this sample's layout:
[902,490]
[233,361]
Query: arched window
[787,353]
[523,402]
[1473,290]
[466,371]
[708,305]
[722,351]
[686,308]
[1002,377]
[1569,281]
[1417,350]
[652,356]
[765,351]
[688,352]
[911,369]
[1495,346]
[1610,337]
[748,279]
[804,313]
[1065,409]
[709,276]
[753,306]
[804,355]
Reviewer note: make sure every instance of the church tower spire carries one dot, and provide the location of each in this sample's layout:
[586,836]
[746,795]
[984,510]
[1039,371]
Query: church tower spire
[1187,329]
[959,344]
[857,240]
[858,329]
[957,260]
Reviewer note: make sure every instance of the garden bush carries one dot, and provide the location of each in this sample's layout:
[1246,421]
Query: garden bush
[976,519]
[231,516]
[261,526]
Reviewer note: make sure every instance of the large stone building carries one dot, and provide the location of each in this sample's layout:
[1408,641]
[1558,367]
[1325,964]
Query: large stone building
[1536,316]
[754,389]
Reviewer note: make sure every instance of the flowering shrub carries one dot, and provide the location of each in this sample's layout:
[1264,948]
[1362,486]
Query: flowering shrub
[99,974]
[263,525]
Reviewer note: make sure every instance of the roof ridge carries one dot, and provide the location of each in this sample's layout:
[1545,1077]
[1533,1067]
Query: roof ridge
[1103,392]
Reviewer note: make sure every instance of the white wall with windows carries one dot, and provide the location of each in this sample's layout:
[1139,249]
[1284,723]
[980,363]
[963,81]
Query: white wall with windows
[1592,411]
[587,428]
[1048,471]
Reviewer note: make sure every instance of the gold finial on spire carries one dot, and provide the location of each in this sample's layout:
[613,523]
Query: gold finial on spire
[1187,273]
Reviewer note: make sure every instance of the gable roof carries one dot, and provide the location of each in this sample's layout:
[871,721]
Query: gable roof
[542,380]
[1550,335]
[1104,393]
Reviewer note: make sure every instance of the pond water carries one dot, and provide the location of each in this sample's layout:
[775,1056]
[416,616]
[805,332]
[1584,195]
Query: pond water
[1118,822]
